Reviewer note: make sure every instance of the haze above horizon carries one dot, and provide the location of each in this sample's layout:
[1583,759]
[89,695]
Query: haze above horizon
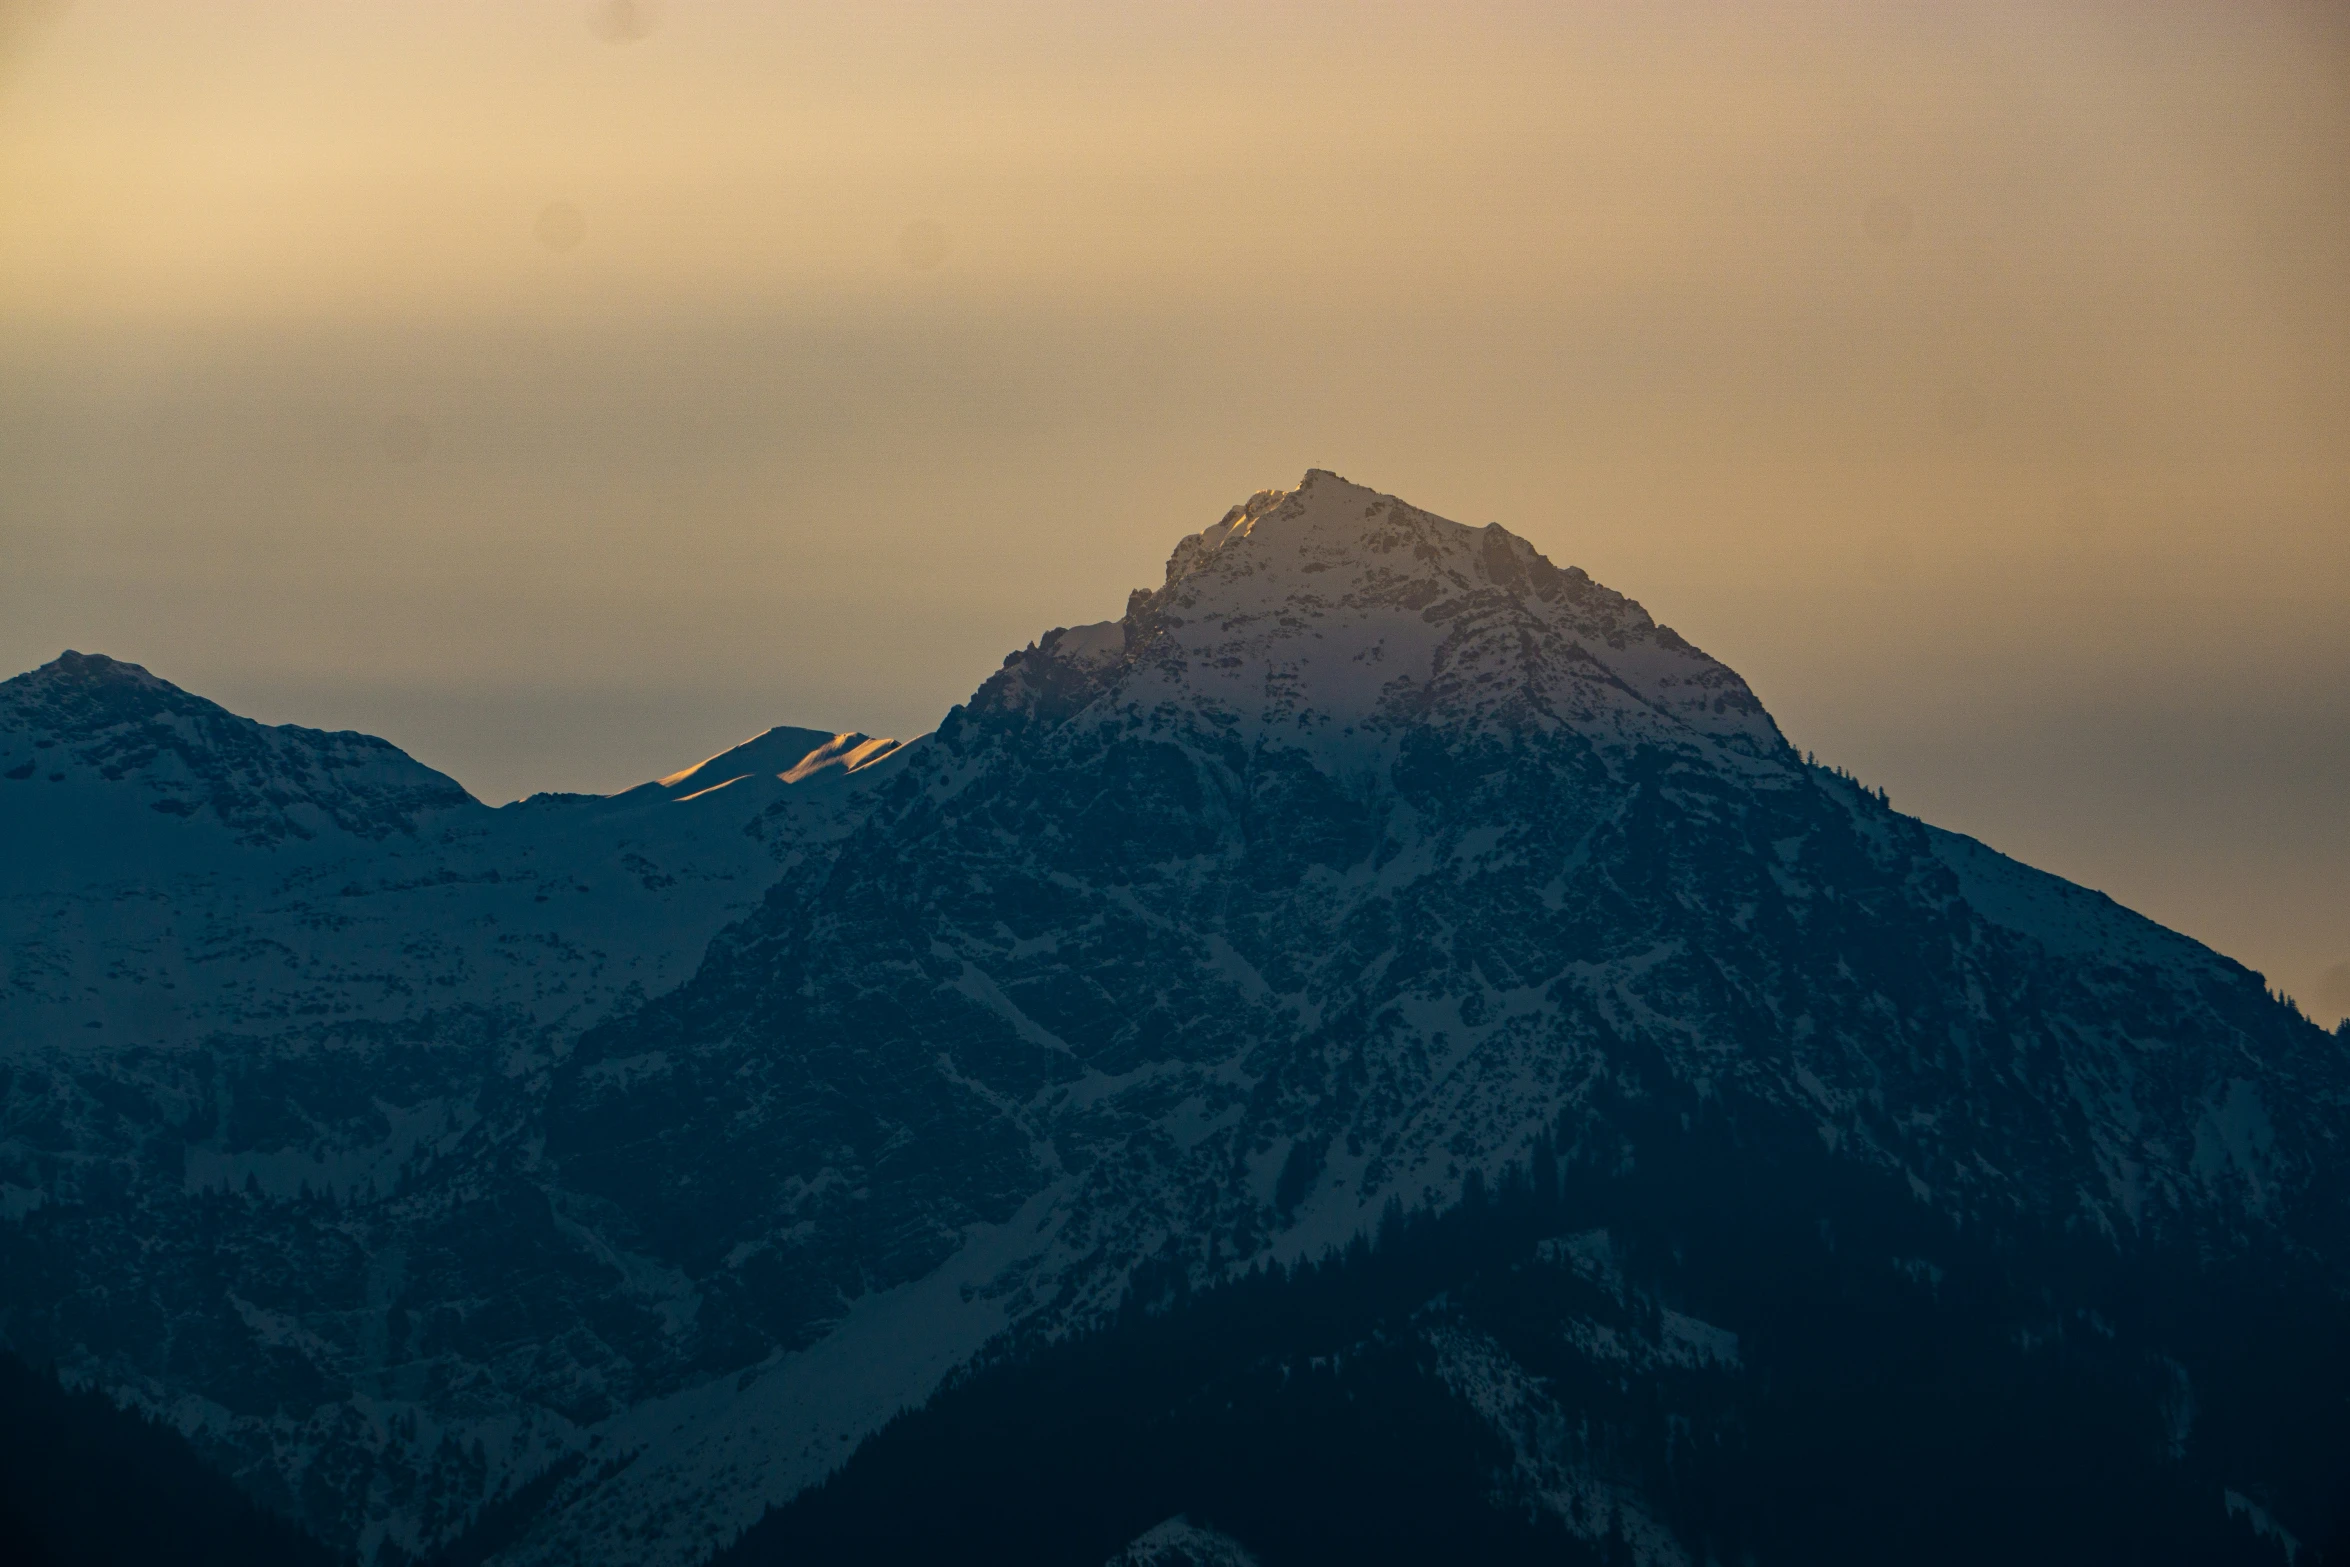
[565,392]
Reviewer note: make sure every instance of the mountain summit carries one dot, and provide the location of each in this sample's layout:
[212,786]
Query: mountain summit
[1369,867]
[85,718]
[1331,613]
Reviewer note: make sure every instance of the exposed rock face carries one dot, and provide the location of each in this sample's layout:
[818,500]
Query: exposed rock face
[1357,856]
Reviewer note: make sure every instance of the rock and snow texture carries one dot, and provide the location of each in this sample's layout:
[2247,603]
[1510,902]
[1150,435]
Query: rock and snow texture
[1347,860]
[791,755]
[294,972]
[1330,614]
[1181,1543]
[86,720]
[1551,1470]
[175,871]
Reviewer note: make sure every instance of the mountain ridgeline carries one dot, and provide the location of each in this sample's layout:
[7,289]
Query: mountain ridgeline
[1382,1045]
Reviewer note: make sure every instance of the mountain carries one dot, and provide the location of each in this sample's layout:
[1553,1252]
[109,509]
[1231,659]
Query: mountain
[254,876]
[1360,854]
[1368,866]
[275,1011]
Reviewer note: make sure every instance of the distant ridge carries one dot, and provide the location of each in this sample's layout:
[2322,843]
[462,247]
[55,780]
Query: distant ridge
[88,717]
[792,755]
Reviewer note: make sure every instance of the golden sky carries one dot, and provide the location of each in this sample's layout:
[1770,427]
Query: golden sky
[564,390]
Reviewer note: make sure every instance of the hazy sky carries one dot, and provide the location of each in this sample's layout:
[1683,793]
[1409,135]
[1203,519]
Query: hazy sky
[564,391]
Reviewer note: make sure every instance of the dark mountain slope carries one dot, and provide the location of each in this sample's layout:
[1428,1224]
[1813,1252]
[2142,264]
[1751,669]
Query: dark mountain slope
[1711,1342]
[84,1484]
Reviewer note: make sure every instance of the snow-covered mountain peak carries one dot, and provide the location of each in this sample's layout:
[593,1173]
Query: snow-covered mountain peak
[1333,615]
[93,672]
[780,755]
[116,735]
[772,752]
[1280,540]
